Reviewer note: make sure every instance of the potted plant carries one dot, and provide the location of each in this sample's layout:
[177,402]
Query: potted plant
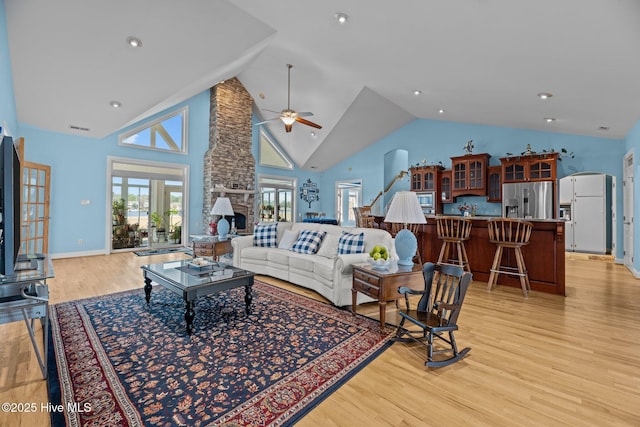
[157,221]
[176,233]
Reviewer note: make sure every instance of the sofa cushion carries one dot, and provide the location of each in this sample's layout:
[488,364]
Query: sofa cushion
[254,253]
[265,235]
[303,263]
[288,239]
[329,247]
[351,243]
[308,242]
[278,256]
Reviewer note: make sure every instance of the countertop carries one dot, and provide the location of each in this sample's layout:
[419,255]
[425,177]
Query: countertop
[487,217]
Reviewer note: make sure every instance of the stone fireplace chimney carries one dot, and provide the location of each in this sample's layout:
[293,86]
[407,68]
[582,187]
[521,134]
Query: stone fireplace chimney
[229,165]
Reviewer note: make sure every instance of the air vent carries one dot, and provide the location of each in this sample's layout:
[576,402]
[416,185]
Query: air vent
[79,128]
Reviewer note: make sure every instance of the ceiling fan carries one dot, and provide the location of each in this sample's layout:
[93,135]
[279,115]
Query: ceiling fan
[289,116]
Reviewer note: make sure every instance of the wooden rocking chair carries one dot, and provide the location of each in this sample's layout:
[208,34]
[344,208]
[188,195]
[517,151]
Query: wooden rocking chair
[437,312]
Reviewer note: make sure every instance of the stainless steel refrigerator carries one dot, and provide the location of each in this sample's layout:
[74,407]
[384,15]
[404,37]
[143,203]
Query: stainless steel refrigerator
[532,200]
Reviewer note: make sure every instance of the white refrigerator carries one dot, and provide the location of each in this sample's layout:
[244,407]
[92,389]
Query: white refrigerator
[585,204]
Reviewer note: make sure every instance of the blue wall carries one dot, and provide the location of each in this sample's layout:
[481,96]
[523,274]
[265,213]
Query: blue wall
[79,172]
[7,100]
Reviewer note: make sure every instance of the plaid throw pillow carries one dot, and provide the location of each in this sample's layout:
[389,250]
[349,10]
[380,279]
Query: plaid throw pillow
[265,235]
[308,242]
[351,243]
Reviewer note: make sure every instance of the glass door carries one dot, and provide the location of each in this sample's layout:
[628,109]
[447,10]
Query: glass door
[277,201]
[130,212]
[35,208]
[147,204]
[348,196]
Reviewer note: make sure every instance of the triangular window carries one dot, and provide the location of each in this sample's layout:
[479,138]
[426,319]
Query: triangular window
[271,155]
[167,133]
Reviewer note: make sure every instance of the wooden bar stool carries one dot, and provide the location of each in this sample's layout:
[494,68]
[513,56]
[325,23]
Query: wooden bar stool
[509,233]
[453,231]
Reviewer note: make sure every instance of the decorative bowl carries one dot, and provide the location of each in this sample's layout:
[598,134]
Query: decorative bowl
[379,264]
[199,263]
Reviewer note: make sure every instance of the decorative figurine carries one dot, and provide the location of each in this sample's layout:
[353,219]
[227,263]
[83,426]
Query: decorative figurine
[468,147]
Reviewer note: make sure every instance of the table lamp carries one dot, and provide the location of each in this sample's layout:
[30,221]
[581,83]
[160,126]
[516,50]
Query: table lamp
[405,209]
[222,207]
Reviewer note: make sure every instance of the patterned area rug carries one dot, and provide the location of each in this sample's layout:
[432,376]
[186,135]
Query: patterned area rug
[121,362]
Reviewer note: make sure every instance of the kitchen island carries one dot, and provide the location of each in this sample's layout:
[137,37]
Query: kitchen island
[544,255]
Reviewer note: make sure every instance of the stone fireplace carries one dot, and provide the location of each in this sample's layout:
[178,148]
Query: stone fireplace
[229,165]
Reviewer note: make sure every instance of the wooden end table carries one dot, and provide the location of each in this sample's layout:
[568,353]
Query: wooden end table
[210,246]
[383,285]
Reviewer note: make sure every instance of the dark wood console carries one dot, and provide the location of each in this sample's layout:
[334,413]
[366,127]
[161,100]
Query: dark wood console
[544,256]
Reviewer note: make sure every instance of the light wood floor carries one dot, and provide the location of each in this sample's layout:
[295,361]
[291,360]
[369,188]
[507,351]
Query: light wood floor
[542,361]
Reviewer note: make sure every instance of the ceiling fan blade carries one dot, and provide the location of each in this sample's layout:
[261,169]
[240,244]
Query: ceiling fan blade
[267,121]
[305,114]
[308,123]
[272,111]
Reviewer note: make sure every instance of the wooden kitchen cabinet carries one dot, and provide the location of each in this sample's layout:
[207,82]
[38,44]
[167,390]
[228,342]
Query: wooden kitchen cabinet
[445,186]
[494,184]
[534,167]
[425,178]
[469,175]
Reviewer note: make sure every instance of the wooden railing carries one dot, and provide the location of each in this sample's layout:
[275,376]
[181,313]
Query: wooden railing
[395,179]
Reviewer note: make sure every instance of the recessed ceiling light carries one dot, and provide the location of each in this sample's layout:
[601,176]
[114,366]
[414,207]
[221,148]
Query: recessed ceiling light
[134,41]
[545,95]
[313,133]
[115,104]
[417,92]
[549,119]
[342,17]
[441,111]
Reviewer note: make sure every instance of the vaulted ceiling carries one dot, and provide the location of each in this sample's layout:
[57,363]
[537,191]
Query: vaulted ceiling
[481,61]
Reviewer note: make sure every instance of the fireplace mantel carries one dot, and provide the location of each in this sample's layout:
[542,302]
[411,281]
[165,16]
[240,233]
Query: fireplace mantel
[223,190]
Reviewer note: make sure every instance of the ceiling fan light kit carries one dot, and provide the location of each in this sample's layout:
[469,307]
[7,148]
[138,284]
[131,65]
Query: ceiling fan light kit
[289,116]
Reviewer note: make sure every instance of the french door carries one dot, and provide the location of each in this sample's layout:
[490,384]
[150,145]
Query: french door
[148,204]
[277,199]
[35,208]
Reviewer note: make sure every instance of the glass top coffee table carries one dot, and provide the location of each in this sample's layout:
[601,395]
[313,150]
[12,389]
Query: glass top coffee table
[184,278]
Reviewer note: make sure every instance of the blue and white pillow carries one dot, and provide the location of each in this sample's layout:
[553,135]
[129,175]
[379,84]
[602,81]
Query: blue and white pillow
[308,242]
[351,243]
[265,235]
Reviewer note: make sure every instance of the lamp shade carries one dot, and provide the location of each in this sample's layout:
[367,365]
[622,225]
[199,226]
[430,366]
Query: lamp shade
[222,207]
[405,209]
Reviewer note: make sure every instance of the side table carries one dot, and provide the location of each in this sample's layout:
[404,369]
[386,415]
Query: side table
[383,285]
[210,246]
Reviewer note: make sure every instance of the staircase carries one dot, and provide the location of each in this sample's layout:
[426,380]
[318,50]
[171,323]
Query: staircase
[376,204]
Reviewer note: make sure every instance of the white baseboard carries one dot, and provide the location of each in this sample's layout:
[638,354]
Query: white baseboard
[79,254]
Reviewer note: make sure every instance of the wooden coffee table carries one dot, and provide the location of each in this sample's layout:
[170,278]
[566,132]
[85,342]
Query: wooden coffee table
[383,285]
[191,283]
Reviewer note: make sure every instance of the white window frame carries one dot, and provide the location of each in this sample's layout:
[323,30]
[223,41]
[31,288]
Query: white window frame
[184,112]
[293,187]
[277,149]
[185,169]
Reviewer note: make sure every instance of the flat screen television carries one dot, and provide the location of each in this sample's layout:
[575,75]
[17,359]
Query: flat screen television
[10,192]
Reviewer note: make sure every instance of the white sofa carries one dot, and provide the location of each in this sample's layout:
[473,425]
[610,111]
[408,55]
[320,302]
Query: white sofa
[325,272]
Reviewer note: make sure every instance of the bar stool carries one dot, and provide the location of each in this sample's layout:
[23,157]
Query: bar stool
[453,231]
[509,233]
